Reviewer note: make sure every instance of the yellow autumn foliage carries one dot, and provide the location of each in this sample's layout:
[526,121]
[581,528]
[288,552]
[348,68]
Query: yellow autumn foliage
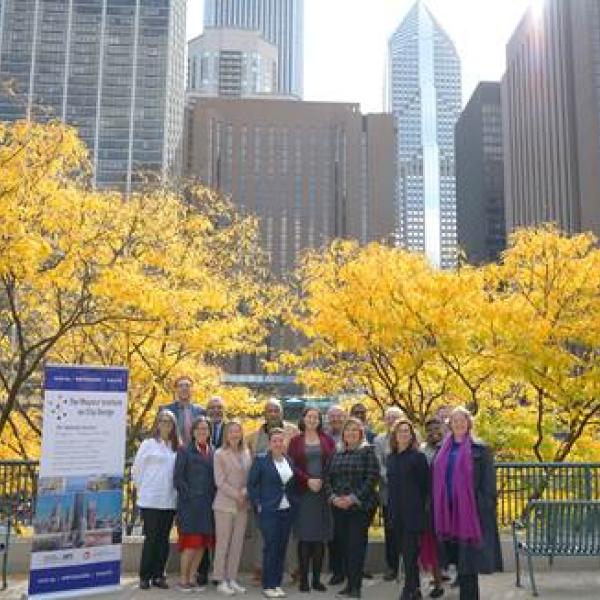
[518,341]
[163,282]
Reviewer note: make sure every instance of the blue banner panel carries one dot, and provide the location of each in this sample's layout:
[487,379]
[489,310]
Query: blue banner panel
[75,577]
[85,379]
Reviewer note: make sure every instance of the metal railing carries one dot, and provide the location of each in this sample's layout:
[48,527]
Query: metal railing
[517,483]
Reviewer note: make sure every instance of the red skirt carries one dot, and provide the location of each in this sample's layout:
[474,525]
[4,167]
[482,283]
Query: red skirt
[195,541]
[428,556]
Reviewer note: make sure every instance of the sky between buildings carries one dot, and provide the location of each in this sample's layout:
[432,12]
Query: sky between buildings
[345,42]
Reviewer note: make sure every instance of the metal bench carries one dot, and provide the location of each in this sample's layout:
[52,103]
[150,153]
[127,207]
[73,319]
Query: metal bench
[552,528]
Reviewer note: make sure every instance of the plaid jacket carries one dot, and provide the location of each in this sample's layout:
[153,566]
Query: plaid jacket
[354,472]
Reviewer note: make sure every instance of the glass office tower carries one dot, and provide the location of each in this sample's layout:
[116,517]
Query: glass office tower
[425,94]
[113,68]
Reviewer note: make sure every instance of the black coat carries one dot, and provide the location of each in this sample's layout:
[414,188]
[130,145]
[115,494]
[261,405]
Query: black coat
[408,490]
[194,481]
[486,558]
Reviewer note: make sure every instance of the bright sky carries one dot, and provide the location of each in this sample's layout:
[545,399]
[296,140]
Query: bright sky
[345,42]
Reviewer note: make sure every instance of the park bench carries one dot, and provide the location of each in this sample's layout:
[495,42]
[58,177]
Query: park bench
[552,528]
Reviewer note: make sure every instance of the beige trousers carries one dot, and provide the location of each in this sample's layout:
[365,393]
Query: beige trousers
[229,531]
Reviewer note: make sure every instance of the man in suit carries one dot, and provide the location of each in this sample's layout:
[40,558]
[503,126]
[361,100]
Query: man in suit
[258,441]
[359,410]
[336,417]
[183,408]
[215,410]
[382,451]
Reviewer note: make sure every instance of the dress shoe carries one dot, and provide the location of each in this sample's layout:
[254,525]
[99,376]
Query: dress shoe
[144,584]
[317,586]
[160,582]
[336,579]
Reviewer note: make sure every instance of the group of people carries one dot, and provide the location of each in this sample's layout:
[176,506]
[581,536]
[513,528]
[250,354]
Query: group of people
[322,483]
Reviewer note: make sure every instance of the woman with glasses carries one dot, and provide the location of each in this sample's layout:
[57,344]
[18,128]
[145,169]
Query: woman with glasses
[408,490]
[194,481]
[152,474]
[351,488]
[464,503]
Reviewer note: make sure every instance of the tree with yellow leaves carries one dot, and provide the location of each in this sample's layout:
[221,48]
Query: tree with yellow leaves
[517,338]
[547,288]
[374,317]
[162,282]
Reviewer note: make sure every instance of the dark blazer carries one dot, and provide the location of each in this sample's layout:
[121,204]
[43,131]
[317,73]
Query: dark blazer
[265,488]
[217,441]
[175,408]
[408,490]
[297,453]
[194,481]
[487,558]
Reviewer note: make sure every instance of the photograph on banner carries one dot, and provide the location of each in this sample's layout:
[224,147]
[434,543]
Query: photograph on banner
[76,512]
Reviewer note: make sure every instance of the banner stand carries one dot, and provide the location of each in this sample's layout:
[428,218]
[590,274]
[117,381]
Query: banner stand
[77,526]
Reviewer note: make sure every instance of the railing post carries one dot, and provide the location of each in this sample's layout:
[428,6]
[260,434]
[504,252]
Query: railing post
[587,474]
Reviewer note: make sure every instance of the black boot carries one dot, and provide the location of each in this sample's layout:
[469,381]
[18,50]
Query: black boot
[318,552]
[303,564]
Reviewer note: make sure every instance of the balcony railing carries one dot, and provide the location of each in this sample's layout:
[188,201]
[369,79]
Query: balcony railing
[517,483]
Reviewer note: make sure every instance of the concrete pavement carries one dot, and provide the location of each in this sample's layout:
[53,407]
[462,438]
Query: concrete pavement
[553,585]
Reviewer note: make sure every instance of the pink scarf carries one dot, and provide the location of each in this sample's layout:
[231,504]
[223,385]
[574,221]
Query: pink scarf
[456,518]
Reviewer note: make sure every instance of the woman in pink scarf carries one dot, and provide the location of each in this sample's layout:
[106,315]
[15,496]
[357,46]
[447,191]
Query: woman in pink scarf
[464,504]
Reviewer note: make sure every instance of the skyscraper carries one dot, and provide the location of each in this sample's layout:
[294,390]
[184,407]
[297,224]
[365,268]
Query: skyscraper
[113,68]
[551,118]
[231,62]
[310,171]
[480,176]
[280,21]
[425,94]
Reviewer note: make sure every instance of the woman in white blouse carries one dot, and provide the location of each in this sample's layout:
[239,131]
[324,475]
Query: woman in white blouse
[152,473]
[232,464]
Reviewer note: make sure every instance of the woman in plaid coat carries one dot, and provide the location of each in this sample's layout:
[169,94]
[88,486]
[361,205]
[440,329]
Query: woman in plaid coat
[351,488]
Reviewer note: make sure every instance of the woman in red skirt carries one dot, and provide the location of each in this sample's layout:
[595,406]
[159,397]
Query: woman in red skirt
[195,485]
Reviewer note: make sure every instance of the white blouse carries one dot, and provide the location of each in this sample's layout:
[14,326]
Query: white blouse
[152,473]
[285,473]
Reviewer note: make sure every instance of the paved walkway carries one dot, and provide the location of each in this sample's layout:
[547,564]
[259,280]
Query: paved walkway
[556,585]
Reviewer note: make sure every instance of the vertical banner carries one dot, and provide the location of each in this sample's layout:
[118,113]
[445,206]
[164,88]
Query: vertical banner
[77,524]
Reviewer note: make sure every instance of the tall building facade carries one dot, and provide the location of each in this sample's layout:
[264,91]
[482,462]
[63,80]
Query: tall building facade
[551,118]
[231,62]
[480,176]
[311,171]
[281,22]
[113,68]
[425,97]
